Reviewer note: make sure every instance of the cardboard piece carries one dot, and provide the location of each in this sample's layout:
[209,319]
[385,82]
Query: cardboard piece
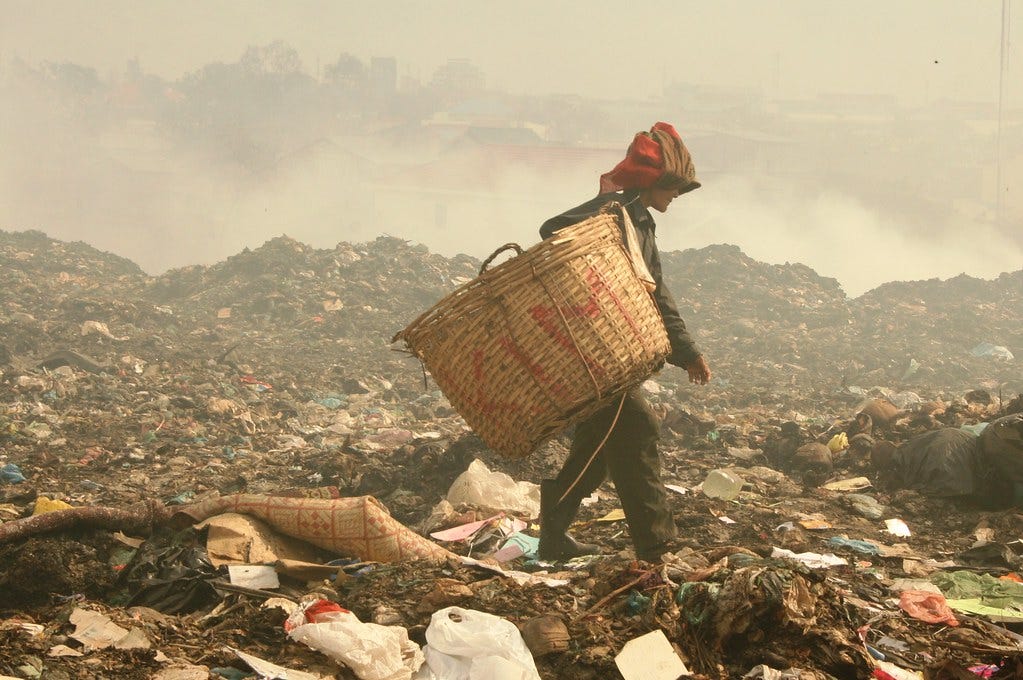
[234,538]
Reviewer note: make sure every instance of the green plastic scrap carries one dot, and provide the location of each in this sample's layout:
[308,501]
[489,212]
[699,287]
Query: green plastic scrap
[982,594]
[696,598]
[977,608]
[636,602]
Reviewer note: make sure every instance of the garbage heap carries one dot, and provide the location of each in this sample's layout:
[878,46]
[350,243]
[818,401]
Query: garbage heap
[265,383]
[787,322]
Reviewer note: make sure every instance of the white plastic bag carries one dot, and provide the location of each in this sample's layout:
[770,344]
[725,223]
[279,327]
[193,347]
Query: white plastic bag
[372,651]
[496,490]
[465,644]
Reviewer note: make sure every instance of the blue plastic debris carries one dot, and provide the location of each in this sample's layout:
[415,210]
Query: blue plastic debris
[986,349]
[11,474]
[859,546]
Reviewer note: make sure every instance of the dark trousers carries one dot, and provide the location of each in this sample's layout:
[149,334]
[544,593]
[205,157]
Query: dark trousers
[630,457]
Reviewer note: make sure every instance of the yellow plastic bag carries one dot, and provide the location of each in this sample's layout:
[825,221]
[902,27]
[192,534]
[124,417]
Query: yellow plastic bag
[45,505]
[839,442]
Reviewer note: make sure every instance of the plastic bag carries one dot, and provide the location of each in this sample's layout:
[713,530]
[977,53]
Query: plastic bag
[927,606]
[496,490]
[465,644]
[840,442]
[986,349]
[372,651]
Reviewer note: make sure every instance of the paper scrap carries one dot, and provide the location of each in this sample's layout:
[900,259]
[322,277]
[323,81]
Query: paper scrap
[895,672]
[517,545]
[272,671]
[135,639]
[812,560]
[463,531]
[897,527]
[650,657]
[511,525]
[519,577]
[258,576]
[94,630]
[851,484]
[129,541]
[615,515]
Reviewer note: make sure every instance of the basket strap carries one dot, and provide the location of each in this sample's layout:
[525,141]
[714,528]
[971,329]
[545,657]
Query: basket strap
[600,446]
[632,248]
[568,329]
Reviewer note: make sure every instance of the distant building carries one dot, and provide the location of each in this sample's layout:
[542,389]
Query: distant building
[383,75]
[458,76]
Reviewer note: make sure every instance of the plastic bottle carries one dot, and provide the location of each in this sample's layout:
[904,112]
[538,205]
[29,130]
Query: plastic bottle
[722,484]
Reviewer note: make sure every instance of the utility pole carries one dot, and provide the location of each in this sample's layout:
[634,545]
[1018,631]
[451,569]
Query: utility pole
[1002,67]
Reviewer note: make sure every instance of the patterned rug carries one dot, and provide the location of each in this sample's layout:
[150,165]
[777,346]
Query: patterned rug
[358,527]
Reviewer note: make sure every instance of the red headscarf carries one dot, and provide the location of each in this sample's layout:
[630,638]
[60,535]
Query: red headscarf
[656,157]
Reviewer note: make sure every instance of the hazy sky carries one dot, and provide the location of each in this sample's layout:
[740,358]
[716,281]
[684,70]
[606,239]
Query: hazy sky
[919,49]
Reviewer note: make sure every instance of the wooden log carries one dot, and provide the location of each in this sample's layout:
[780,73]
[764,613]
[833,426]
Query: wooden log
[138,518]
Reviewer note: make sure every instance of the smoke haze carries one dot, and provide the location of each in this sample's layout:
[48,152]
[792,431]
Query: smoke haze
[885,170]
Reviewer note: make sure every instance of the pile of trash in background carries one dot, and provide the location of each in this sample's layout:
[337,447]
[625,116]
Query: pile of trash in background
[228,471]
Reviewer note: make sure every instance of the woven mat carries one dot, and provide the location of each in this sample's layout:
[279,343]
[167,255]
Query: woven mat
[353,527]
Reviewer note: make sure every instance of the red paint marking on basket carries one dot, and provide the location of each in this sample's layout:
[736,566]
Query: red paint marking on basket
[598,284]
[550,322]
[535,369]
[482,401]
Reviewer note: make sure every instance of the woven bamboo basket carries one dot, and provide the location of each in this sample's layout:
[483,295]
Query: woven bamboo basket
[544,339]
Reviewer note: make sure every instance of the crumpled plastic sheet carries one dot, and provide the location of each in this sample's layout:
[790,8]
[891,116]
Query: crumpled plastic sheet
[372,651]
[927,606]
[472,645]
[478,485]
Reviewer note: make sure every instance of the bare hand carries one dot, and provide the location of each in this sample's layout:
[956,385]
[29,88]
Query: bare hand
[699,371]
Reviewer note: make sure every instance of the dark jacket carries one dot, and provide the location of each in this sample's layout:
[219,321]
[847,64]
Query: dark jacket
[683,348]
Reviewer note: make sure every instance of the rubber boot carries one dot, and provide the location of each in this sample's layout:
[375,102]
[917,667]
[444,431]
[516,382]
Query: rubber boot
[555,541]
[654,553]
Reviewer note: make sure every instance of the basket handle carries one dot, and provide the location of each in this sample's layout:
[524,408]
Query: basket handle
[506,246]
